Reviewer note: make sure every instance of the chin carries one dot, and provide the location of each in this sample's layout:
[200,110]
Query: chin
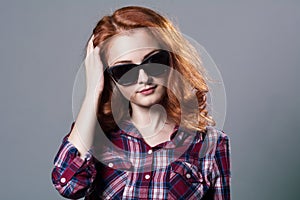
[147,101]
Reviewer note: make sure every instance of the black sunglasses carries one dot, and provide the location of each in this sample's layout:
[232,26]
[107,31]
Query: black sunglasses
[127,74]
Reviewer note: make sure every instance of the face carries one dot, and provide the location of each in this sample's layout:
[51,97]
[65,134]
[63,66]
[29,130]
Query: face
[135,48]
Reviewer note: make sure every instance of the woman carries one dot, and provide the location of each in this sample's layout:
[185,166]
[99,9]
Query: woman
[153,137]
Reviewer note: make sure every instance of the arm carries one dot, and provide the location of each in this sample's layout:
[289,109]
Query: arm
[74,167]
[221,175]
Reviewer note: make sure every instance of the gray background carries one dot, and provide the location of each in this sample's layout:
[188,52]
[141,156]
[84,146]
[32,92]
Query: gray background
[254,43]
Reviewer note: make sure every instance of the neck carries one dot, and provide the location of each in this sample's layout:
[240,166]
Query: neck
[149,120]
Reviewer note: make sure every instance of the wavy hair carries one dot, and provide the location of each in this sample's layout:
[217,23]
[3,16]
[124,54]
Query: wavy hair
[184,59]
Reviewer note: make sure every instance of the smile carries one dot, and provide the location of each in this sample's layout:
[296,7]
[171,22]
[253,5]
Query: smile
[147,91]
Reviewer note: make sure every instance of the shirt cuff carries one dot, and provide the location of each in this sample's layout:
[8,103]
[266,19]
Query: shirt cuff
[72,162]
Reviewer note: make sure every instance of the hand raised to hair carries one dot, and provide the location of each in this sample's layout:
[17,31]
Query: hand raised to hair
[94,71]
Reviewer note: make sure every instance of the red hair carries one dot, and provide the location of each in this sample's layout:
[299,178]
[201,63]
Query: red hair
[184,59]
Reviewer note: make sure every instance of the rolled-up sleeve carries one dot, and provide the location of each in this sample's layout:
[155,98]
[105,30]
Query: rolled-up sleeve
[72,175]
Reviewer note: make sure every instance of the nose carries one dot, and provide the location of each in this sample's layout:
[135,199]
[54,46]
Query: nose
[144,78]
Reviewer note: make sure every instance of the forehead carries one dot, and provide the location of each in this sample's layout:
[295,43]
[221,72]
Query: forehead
[131,45]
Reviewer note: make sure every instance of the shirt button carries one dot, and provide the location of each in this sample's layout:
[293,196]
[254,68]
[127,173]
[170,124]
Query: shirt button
[63,180]
[188,175]
[150,151]
[147,176]
[110,164]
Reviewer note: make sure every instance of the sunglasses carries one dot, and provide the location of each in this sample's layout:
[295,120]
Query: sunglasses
[127,74]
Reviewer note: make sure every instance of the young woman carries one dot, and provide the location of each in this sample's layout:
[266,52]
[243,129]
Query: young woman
[143,130]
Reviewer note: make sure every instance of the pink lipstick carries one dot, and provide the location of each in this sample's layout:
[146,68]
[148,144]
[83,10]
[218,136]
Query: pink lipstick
[148,90]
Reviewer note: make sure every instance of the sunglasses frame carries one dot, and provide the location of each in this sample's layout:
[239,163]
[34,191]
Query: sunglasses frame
[109,70]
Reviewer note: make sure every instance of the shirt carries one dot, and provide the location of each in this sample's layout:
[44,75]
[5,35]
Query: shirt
[191,165]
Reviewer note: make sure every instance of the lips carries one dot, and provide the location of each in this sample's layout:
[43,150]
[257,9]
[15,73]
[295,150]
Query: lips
[147,89]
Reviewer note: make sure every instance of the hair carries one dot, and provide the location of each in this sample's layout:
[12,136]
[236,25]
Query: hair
[184,59]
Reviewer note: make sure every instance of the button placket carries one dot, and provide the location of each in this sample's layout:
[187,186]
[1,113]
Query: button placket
[150,163]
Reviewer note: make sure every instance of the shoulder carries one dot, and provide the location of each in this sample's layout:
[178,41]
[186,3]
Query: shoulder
[214,141]
[215,132]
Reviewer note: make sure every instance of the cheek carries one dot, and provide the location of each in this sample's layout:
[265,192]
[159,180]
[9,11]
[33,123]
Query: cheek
[162,91]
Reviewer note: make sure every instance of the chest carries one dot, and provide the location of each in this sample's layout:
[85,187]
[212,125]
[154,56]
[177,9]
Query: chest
[155,175]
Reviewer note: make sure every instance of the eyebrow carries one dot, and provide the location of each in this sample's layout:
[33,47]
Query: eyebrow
[129,61]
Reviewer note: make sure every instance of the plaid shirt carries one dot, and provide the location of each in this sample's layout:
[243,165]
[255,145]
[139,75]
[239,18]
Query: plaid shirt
[192,165]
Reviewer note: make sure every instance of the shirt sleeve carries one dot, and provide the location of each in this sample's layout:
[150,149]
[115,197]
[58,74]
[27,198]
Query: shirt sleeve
[73,176]
[221,175]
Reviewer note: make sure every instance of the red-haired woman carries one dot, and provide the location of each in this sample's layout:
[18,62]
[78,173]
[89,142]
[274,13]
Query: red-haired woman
[143,130]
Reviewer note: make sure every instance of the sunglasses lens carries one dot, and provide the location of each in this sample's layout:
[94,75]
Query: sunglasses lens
[154,69]
[124,74]
[129,77]
[158,63]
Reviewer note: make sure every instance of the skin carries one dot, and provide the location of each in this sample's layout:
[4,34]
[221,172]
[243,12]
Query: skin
[147,115]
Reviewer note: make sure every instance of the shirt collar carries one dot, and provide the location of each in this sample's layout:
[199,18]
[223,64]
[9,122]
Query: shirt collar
[177,138]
